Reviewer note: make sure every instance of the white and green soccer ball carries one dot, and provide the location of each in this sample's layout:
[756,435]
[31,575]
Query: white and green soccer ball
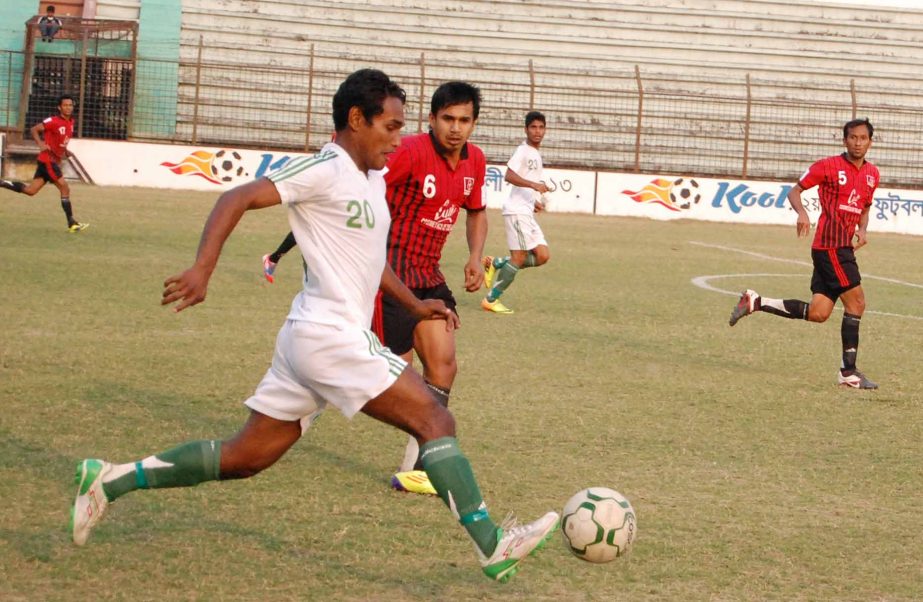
[599,524]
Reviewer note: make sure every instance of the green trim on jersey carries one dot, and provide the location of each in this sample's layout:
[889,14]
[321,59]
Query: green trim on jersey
[297,166]
[376,348]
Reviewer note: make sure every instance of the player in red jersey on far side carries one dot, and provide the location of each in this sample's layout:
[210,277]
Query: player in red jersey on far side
[52,136]
[846,187]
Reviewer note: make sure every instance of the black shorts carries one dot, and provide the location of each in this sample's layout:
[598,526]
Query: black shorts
[394,324]
[48,171]
[835,272]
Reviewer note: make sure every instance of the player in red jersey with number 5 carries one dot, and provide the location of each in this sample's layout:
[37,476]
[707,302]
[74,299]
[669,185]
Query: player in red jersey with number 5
[846,187]
[52,136]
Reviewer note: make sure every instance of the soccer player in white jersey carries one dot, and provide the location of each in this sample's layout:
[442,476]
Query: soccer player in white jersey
[325,352]
[526,241]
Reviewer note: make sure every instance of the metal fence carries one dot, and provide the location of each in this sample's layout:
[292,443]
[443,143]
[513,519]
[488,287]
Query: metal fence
[627,120]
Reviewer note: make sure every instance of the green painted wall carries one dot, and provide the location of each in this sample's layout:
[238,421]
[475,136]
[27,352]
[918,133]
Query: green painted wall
[118,49]
[13,16]
[157,74]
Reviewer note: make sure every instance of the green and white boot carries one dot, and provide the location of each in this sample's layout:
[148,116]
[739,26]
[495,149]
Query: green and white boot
[516,542]
[91,503]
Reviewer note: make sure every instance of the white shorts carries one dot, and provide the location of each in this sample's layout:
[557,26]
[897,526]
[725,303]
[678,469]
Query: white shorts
[316,364]
[523,232]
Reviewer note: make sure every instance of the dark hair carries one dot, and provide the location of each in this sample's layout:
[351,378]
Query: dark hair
[534,116]
[64,97]
[49,8]
[366,89]
[856,123]
[456,93]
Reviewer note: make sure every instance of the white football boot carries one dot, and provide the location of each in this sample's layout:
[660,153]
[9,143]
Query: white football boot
[514,543]
[749,302]
[91,503]
[856,380]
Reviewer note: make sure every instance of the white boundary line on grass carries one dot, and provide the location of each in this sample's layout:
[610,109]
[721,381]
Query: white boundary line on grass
[703,281]
[797,262]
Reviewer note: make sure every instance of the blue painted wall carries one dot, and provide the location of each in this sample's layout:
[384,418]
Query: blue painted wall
[157,74]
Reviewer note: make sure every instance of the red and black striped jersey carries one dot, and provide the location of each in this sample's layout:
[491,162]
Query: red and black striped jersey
[58,132]
[424,195]
[845,192]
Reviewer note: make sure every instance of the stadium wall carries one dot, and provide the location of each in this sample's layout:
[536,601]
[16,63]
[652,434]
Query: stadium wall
[13,17]
[782,74]
[159,24]
[748,88]
[653,196]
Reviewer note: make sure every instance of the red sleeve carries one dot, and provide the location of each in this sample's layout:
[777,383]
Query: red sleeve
[399,163]
[475,201]
[812,177]
[874,188]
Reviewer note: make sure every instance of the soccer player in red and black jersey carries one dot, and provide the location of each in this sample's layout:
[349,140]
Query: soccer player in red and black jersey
[846,187]
[52,136]
[431,178]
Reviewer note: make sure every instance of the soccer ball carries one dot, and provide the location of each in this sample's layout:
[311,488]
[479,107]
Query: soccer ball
[684,193]
[227,165]
[599,525]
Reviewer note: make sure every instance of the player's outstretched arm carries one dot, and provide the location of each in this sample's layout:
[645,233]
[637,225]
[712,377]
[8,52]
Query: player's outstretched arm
[803,225]
[190,287]
[427,309]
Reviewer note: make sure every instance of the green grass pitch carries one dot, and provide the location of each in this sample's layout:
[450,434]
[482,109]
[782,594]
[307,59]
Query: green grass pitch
[753,476]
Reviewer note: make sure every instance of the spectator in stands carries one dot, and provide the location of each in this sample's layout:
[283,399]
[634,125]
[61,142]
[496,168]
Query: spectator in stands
[49,25]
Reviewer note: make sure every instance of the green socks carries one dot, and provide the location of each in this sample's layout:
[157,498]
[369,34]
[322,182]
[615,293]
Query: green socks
[451,476]
[189,464]
[506,273]
[200,461]
[504,277]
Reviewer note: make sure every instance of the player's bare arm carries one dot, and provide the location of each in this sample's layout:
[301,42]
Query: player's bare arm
[190,286]
[426,309]
[862,230]
[517,180]
[804,221]
[37,131]
[476,232]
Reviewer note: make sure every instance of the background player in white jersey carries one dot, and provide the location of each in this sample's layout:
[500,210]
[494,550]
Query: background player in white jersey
[325,352]
[528,248]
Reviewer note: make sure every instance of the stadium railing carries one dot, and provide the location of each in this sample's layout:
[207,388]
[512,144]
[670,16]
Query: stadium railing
[633,121]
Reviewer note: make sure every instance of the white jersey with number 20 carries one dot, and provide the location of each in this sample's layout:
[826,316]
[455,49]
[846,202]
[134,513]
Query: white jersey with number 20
[340,220]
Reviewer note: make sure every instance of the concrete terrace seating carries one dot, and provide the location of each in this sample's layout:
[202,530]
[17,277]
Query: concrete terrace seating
[738,36]
[798,50]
